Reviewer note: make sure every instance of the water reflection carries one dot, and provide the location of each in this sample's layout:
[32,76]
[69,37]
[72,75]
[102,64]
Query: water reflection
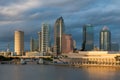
[102,73]
[16,73]
[47,72]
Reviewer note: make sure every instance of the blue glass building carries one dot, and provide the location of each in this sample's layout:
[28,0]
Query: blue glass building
[88,37]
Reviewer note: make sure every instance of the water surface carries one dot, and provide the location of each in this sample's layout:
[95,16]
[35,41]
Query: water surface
[50,72]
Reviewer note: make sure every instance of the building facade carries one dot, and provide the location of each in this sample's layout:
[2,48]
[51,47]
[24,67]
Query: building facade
[58,32]
[67,43]
[105,39]
[114,46]
[88,38]
[74,44]
[19,42]
[39,41]
[94,58]
[44,39]
[34,46]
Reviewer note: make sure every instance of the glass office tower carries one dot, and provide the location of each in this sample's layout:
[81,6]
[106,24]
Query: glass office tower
[58,32]
[88,37]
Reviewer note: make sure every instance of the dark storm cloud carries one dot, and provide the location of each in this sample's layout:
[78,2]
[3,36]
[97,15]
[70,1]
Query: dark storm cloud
[28,15]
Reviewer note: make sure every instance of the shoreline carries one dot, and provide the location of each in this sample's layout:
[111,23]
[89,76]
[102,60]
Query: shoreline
[57,64]
[118,66]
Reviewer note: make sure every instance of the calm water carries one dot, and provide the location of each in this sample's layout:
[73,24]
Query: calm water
[47,72]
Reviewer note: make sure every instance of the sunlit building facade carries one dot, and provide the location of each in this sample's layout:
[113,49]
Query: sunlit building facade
[19,42]
[94,58]
[67,43]
[58,32]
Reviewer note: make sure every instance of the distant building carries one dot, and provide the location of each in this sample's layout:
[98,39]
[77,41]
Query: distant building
[67,43]
[105,39]
[114,47]
[58,32]
[35,53]
[88,38]
[34,46]
[19,42]
[74,44]
[44,39]
[39,41]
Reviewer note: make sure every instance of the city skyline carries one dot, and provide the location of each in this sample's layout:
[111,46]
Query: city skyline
[59,39]
[28,15]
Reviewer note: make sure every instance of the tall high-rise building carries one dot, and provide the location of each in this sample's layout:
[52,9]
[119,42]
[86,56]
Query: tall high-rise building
[67,43]
[34,46]
[58,32]
[19,42]
[105,39]
[88,38]
[44,38]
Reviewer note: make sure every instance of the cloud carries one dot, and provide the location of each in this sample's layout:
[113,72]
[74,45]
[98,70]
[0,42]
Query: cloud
[27,15]
[14,9]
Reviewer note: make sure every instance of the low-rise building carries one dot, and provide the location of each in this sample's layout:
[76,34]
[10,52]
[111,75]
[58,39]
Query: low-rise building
[35,53]
[96,58]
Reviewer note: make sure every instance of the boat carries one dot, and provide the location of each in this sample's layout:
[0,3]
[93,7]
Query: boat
[22,61]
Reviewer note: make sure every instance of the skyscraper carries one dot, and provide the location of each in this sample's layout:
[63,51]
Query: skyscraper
[88,37]
[19,42]
[58,32]
[105,39]
[44,38]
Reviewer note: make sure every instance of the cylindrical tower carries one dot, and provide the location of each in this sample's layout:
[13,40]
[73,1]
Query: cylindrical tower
[19,42]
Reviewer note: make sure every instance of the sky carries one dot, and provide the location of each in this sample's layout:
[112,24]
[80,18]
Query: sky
[28,16]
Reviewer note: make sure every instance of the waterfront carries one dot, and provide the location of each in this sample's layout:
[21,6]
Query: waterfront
[51,72]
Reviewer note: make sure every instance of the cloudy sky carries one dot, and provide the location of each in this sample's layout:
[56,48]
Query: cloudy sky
[28,15]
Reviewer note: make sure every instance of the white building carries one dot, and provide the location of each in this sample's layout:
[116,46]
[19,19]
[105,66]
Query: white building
[44,39]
